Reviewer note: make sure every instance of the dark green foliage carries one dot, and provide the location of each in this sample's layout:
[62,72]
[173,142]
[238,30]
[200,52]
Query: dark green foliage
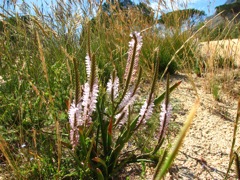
[146,10]
[9,24]
[224,27]
[167,50]
[229,9]
[177,18]
[165,56]
[128,5]
[107,43]
[120,4]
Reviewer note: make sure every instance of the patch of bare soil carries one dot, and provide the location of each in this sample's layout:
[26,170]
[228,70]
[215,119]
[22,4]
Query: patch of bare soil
[204,154]
[205,151]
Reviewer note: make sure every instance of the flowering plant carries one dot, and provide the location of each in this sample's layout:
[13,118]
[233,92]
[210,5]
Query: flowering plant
[102,120]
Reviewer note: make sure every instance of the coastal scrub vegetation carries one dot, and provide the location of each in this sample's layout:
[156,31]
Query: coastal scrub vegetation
[79,94]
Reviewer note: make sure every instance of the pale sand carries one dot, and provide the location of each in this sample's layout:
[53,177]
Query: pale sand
[228,49]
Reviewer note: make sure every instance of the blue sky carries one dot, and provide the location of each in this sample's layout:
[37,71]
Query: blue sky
[207,5]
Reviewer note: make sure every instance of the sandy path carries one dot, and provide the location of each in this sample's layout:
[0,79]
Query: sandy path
[205,152]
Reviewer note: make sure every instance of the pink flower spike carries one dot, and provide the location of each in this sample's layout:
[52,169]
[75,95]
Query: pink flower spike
[165,116]
[138,40]
[94,96]
[89,101]
[121,118]
[72,113]
[75,120]
[128,99]
[88,65]
[112,87]
[146,111]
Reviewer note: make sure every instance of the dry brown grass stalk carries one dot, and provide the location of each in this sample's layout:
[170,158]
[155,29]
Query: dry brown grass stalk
[42,58]
[8,155]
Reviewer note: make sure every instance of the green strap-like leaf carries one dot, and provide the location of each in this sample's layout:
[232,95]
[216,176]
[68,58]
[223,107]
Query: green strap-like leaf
[102,162]
[160,98]
[82,141]
[237,165]
[234,139]
[160,162]
[99,174]
[176,146]
[122,139]
[103,125]
[109,137]
[89,151]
